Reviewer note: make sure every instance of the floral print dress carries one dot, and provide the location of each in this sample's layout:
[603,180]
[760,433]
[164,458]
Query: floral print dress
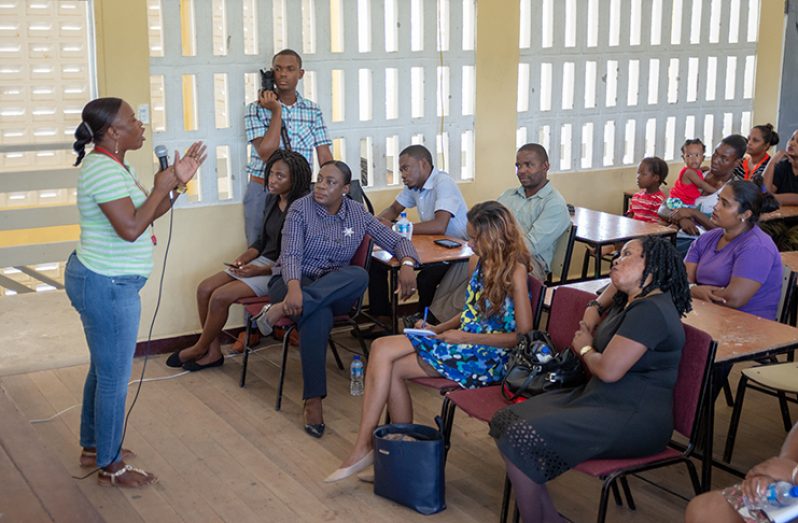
[470,365]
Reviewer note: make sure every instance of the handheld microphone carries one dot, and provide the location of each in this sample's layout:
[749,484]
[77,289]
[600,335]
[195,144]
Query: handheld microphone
[163,156]
[163,161]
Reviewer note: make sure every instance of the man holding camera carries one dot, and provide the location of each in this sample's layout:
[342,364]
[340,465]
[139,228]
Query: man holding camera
[280,119]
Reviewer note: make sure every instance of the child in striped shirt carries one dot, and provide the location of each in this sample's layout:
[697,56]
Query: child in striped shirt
[651,175]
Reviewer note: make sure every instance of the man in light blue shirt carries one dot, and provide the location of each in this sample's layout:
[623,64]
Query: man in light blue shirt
[442,210]
[541,211]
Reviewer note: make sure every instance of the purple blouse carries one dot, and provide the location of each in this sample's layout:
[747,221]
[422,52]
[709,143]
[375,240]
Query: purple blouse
[751,255]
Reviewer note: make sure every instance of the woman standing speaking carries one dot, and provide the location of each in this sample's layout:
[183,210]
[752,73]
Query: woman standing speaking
[108,269]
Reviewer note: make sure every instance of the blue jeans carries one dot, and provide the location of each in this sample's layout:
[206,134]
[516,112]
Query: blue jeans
[109,308]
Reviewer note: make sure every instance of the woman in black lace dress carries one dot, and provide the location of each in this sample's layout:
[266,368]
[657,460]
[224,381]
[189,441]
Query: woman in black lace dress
[625,410]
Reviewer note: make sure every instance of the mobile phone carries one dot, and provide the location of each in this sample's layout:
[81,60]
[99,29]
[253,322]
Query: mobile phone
[449,244]
[232,265]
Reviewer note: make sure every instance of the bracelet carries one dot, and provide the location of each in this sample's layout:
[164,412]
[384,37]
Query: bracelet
[690,286]
[794,473]
[181,188]
[594,303]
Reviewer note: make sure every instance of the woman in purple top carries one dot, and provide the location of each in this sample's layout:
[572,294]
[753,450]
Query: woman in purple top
[736,264]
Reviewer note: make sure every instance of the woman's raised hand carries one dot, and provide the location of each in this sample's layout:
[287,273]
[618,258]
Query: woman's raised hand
[186,167]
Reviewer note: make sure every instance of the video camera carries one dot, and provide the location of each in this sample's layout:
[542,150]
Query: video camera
[267,79]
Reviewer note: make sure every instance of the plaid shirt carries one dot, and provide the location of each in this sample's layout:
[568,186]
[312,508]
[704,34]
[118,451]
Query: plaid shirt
[305,124]
[315,242]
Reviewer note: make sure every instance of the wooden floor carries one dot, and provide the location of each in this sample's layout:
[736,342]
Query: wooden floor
[224,454]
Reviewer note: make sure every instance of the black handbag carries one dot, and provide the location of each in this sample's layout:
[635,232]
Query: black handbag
[535,367]
[408,466]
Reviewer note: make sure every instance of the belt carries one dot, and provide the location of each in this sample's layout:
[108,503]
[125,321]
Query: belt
[257,179]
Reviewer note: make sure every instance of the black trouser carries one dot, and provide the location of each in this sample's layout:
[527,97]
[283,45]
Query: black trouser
[427,281]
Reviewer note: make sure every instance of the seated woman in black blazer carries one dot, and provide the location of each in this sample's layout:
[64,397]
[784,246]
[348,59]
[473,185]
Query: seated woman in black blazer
[287,178]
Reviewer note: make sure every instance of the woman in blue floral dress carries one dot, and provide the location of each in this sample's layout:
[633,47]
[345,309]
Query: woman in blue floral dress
[471,348]
[471,365]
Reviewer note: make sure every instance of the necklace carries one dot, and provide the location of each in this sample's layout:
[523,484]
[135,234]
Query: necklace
[101,150]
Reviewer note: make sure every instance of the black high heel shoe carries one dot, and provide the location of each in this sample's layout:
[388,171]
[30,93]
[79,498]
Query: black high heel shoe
[314,429]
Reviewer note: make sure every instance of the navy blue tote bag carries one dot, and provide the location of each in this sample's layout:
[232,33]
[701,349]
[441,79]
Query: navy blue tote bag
[410,472]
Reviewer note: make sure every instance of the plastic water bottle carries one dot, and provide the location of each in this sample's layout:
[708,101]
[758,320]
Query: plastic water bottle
[544,354]
[356,377]
[404,227]
[779,494]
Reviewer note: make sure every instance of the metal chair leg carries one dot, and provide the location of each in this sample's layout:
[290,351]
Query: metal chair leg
[734,422]
[691,470]
[585,264]
[508,488]
[727,393]
[785,411]
[627,492]
[359,337]
[283,366]
[616,493]
[246,354]
[605,494]
[447,417]
[337,356]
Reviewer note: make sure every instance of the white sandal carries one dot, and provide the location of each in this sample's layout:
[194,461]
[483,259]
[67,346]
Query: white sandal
[151,479]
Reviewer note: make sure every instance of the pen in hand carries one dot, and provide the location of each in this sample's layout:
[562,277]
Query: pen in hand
[424,321]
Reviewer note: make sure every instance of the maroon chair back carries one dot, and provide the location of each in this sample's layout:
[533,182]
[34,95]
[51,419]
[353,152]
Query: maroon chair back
[694,368]
[362,257]
[537,292]
[567,308]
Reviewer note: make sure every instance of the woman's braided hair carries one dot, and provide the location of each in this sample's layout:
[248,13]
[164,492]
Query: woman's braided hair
[300,172]
[96,119]
[667,271]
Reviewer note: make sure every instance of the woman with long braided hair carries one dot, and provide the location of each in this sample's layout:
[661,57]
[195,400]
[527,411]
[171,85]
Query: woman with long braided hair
[625,409]
[287,178]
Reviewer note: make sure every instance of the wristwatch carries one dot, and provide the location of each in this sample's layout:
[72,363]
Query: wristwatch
[584,350]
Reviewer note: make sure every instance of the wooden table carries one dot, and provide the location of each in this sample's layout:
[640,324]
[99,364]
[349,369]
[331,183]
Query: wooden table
[790,260]
[597,229]
[740,337]
[429,253]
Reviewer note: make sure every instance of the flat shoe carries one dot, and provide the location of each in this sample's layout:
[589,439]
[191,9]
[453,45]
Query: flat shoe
[315,429]
[344,472]
[193,366]
[174,360]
